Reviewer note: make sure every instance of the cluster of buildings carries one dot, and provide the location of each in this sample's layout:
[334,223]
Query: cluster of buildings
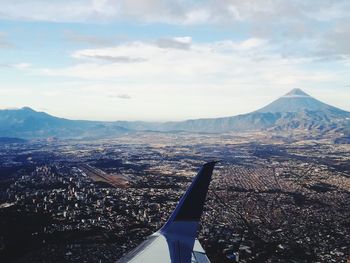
[267,203]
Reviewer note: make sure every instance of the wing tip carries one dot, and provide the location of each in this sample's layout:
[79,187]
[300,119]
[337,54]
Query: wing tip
[211,163]
[190,206]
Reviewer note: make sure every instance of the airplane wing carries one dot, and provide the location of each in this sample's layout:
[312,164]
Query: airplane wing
[176,241]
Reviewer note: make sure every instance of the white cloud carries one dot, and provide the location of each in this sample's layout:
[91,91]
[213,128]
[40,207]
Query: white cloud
[202,61]
[229,61]
[175,42]
[209,79]
[308,24]
[22,65]
[172,11]
[59,11]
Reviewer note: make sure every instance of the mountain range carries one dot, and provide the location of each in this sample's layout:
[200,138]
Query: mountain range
[295,110]
[28,123]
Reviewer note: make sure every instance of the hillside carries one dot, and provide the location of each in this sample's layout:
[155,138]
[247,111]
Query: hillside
[28,123]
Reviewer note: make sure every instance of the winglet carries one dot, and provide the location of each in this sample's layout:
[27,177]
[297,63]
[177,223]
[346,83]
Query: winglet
[180,231]
[191,205]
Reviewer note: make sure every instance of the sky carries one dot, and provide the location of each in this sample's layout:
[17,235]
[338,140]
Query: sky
[160,60]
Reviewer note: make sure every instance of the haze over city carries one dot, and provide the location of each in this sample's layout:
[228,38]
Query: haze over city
[170,60]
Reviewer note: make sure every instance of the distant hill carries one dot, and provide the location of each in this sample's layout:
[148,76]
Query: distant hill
[294,111]
[28,123]
[4,140]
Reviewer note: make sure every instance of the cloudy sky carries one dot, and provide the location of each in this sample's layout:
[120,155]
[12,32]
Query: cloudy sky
[170,59]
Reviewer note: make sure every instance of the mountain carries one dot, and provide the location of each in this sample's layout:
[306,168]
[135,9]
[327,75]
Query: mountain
[296,101]
[294,111]
[5,140]
[28,123]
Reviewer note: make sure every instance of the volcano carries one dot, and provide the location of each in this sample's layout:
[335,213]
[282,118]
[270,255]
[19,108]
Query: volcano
[295,110]
[298,101]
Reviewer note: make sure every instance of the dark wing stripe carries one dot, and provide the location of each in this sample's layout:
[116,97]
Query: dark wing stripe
[190,207]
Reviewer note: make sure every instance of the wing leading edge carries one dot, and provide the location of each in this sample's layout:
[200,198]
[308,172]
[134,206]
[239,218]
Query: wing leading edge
[176,241]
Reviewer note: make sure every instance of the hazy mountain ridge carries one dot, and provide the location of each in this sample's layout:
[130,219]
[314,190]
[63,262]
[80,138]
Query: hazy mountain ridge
[309,120]
[27,123]
[294,111]
[11,140]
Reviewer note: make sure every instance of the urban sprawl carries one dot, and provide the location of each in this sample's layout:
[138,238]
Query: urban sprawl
[82,201]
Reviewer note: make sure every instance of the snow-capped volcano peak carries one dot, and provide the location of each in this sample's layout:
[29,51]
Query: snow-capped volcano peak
[297,101]
[296,93]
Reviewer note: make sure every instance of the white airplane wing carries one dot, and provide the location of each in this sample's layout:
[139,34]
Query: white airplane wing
[176,241]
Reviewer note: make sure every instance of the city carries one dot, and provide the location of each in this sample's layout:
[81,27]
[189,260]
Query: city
[93,201]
